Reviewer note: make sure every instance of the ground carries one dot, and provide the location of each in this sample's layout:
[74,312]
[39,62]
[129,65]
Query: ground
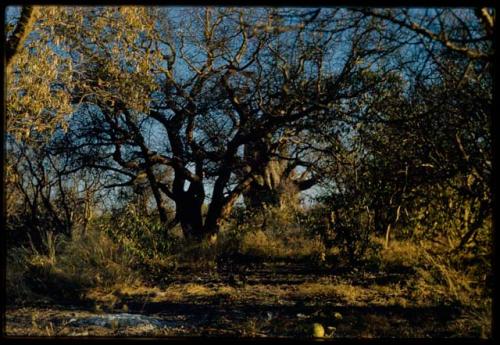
[259,300]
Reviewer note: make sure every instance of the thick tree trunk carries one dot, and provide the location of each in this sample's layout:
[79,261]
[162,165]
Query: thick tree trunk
[272,187]
[189,214]
[277,184]
[284,192]
[258,195]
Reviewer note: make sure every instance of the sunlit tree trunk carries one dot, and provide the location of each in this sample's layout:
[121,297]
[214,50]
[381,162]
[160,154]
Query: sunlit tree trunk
[21,31]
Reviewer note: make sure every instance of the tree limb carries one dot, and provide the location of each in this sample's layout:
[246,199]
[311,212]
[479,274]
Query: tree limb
[23,28]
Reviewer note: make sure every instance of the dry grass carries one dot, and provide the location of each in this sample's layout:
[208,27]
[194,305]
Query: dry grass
[172,293]
[400,254]
[104,272]
[356,295]
[177,292]
[437,277]
[67,268]
[97,261]
[257,293]
[478,321]
[440,281]
[272,246]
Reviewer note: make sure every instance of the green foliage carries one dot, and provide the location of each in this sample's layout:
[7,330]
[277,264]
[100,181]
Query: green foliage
[142,236]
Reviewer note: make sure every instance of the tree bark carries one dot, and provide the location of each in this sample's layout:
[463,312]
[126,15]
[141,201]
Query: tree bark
[277,184]
[23,28]
[482,214]
[189,214]
[284,191]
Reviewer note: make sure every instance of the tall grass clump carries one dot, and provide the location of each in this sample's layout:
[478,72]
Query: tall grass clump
[437,275]
[65,268]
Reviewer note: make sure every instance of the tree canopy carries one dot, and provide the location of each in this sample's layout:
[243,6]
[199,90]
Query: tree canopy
[200,108]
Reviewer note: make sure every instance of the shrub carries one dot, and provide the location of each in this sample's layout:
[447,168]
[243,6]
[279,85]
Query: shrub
[94,259]
[272,233]
[343,229]
[16,268]
[142,235]
[439,275]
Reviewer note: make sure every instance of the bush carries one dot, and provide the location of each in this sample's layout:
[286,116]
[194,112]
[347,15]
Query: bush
[345,230]
[271,233]
[400,255]
[96,260]
[141,236]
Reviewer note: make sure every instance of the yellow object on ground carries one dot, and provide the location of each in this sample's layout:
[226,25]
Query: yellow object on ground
[318,330]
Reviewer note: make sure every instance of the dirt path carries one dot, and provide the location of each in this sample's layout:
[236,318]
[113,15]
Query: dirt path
[266,300]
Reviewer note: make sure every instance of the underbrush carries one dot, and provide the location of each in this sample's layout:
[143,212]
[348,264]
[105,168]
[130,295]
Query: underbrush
[438,274]
[142,237]
[130,251]
[66,268]
[271,234]
[444,277]
[270,246]
[268,235]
